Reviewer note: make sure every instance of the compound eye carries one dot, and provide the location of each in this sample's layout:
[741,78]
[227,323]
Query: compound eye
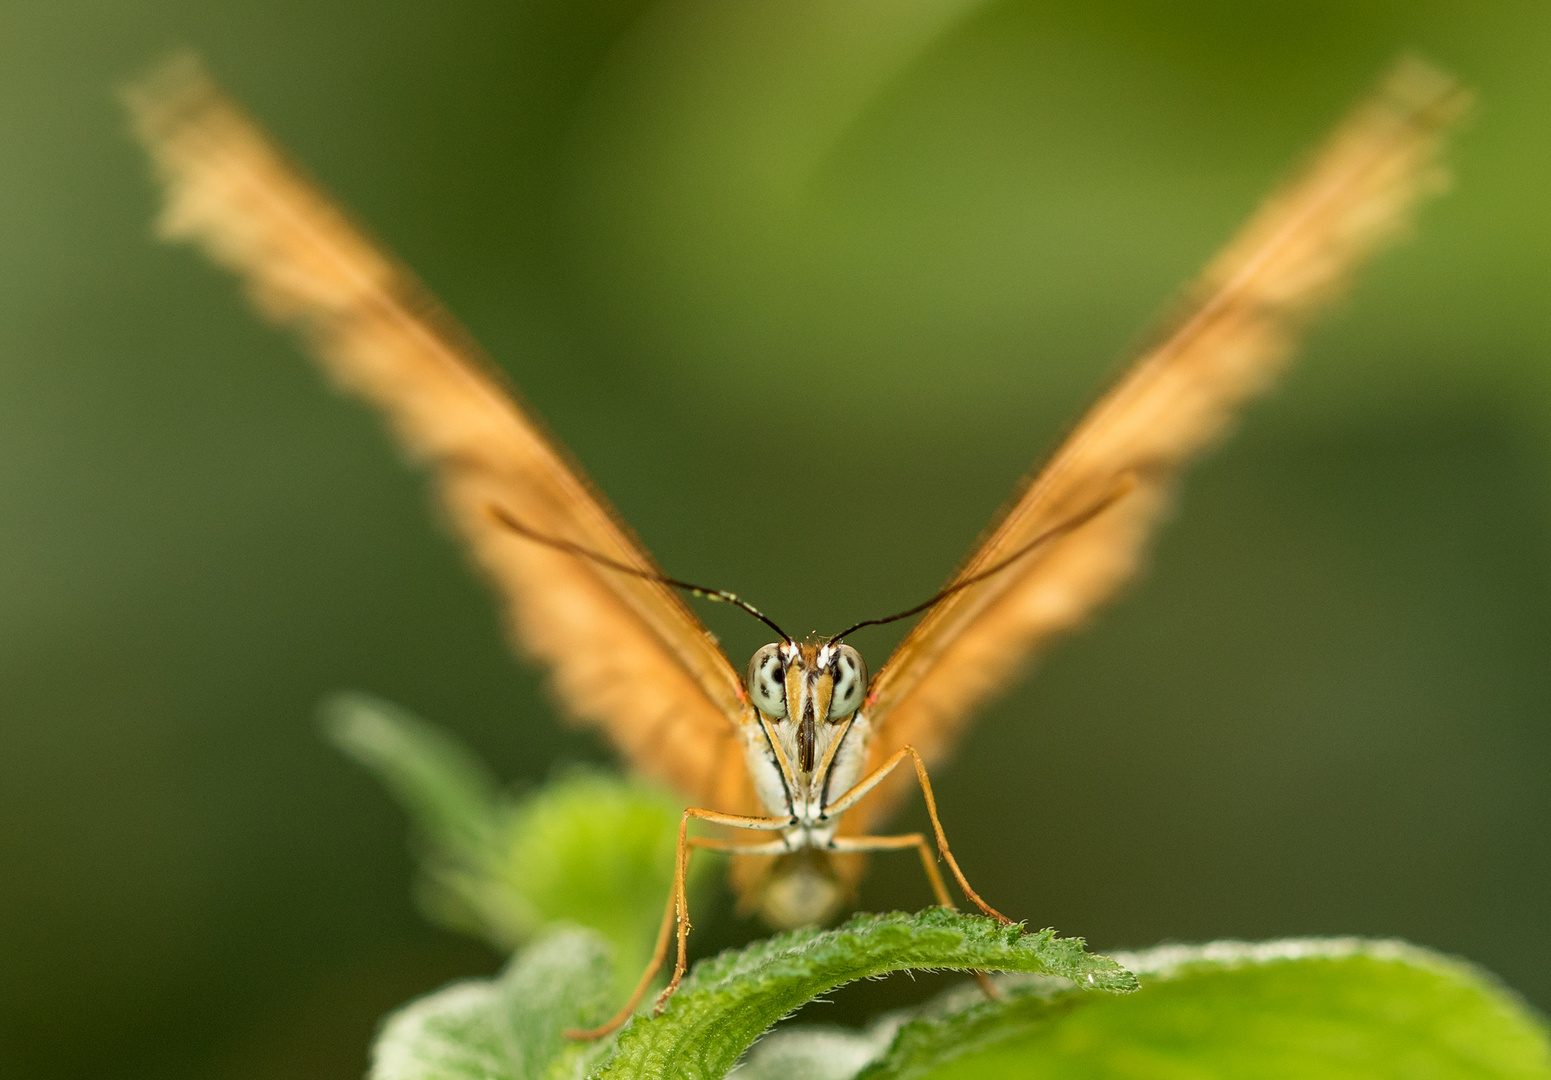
[767,682]
[850,676]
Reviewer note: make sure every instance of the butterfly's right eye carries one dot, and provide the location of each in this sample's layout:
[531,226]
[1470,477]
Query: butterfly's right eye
[767,681]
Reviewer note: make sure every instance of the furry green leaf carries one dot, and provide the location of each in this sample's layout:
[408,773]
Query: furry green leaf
[729,1001]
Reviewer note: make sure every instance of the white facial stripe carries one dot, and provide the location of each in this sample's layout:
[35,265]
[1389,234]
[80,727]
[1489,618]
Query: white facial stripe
[835,741]
[849,759]
[766,759]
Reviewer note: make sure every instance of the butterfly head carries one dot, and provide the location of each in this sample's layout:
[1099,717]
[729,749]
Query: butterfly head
[806,686]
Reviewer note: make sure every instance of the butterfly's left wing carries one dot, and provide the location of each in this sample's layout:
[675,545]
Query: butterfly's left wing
[624,654]
[1098,499]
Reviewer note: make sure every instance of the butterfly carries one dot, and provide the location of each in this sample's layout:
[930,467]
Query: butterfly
[802,754]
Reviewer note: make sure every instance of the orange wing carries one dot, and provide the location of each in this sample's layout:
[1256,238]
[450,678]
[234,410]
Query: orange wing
[1239,324]
[624,654]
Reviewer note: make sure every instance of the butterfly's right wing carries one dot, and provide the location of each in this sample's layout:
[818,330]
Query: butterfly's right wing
[1098,499]
[625,654]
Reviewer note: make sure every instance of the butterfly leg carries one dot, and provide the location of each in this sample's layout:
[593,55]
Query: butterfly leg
[677,910]
[917,841]
[899,843]
[854,796]
[933,875]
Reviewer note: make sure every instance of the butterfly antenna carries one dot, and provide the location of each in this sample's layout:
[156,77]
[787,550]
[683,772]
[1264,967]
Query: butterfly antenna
[1127,484]
[720,596]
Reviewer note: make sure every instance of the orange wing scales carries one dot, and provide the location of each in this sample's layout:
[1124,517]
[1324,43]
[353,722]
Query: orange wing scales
[624,654]
[1239,325]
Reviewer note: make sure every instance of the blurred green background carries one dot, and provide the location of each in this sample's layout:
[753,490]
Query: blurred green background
[806,286]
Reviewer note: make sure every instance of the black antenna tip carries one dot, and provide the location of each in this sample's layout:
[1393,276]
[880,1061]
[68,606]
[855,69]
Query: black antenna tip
[721,596]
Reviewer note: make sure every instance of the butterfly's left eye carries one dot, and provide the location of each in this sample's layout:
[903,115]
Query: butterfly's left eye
[767,681]
[850,676]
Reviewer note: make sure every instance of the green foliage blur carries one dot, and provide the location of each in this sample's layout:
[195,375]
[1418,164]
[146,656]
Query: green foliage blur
[806,285]
[587,848]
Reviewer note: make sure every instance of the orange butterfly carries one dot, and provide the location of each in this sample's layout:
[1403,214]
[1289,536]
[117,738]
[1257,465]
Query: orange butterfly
[803,748]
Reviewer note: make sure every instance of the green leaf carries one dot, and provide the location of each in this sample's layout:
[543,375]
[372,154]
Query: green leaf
[510,1028]
[456,811]
[592,849]
[446,790]
[729,1001]
[817,1053]
[1333,1009]
[587,848]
